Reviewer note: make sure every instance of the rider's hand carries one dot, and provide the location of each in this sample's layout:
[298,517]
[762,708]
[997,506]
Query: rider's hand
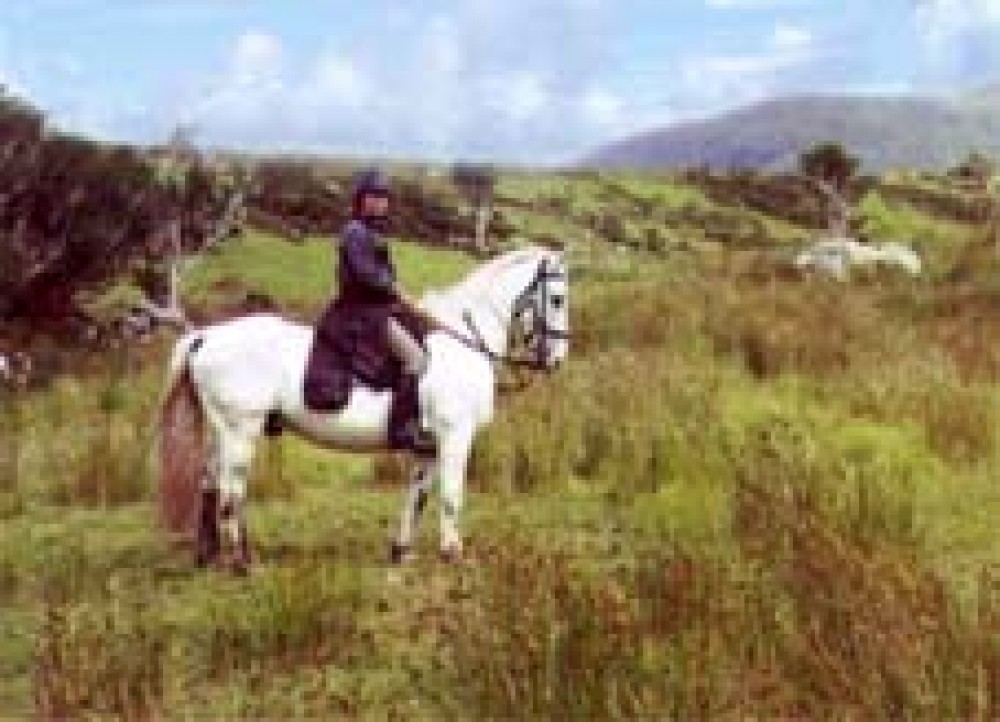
[413,305]
[406,299]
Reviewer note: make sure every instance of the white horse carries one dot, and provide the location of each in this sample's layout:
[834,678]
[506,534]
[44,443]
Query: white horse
[835,256]
[234,374]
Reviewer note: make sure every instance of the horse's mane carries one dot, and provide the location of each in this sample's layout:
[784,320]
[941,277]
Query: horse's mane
[484,276]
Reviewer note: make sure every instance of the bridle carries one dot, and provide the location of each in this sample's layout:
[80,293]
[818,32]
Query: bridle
[541,334]
[535,299]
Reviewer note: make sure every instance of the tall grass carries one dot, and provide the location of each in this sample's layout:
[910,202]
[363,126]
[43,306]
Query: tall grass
[103,659]
[118,654]
[874,632]
[11,501]
[746,495]
[823,609]
[627,418]
[112,462]
[822,602]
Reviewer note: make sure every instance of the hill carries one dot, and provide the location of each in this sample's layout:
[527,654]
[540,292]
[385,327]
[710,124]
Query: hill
[905,131]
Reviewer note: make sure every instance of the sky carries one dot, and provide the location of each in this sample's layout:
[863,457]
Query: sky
[522,81]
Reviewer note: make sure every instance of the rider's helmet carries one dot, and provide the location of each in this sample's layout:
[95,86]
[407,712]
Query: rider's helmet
[370,181]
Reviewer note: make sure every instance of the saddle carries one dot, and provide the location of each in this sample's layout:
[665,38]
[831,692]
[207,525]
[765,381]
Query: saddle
[350,347]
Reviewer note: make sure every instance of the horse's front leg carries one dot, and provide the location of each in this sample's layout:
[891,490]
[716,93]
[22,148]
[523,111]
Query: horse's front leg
[454,459]
[416,500]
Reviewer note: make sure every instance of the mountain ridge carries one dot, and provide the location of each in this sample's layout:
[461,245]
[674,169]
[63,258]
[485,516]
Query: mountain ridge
[915,131]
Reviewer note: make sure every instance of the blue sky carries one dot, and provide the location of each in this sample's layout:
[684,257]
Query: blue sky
[517,80]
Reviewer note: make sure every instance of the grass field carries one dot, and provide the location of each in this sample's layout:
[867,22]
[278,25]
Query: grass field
[747,495]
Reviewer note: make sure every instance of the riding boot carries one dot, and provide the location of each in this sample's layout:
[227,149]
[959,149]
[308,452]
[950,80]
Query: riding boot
[405,431]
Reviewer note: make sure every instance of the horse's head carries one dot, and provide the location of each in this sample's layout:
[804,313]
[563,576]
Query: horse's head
[541,310]
[521,296]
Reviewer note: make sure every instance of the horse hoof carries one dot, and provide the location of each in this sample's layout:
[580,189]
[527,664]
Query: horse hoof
[400,553]
[238,566]
[206,557]
[451,555]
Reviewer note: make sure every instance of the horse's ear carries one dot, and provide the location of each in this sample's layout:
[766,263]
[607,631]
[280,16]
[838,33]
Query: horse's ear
[550,243]
[561,257]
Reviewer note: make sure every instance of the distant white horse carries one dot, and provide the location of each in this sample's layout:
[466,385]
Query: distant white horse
[15,368]
[835,256]
[234,374]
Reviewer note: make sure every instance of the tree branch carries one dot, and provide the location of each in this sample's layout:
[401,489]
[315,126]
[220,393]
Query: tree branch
[173,313]
[839,214]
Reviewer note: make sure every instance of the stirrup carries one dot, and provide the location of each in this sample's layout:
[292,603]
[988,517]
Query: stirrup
[414,438]
[273,426]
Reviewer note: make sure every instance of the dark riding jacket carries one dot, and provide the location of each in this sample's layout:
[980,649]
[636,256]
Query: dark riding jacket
[366,273]
[351,340]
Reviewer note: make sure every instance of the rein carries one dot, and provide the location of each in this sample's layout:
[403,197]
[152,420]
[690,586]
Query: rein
[499,360]
[479,344]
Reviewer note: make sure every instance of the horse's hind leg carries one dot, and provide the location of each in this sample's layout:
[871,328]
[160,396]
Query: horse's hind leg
[416,500]
[235,455]
[209,544]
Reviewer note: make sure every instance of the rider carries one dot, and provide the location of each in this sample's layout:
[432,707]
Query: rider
[381,314]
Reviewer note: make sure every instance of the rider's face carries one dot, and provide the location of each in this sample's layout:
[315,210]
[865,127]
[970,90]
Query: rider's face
[376,205]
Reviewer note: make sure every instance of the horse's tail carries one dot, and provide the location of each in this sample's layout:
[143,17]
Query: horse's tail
[183,453]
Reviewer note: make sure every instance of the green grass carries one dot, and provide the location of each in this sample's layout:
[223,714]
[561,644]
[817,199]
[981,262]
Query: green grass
[302,275]
[936,239]
[665,193]
[530,187]
[743,496]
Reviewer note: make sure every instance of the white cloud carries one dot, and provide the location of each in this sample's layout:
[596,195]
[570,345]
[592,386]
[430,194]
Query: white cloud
[727,79]
[520,96]
[961,38]
[257,58]
[12,84]
[248,94]
[602,108]
[97,120]
[526,80]
[441,46]
[750,4]
[951,13]
[337,79]
[10,77]
[791,37]
[480,81]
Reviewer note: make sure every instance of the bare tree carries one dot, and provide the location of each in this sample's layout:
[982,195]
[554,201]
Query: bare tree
[976,171]
[993,194]
[476,183]
[175,163]
[829,168]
